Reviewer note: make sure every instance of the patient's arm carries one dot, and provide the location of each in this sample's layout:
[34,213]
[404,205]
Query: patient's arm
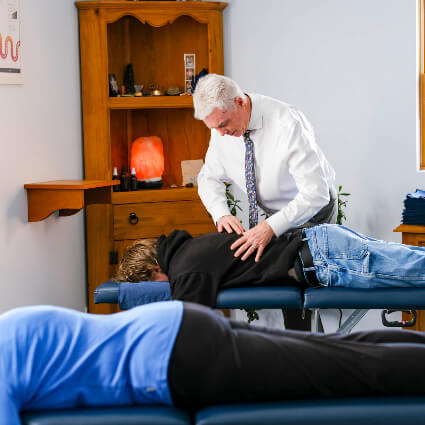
[9,414]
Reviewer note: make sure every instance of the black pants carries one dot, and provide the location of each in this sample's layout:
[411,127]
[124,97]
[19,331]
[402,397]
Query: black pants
[297,319]
[216,360]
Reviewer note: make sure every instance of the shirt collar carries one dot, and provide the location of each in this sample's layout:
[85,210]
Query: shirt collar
[256,120]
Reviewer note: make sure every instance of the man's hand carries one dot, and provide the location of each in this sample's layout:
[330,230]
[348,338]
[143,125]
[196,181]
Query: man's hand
[255,239]
[230,223]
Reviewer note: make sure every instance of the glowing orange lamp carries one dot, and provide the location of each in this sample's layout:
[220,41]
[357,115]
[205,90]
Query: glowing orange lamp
[147,157]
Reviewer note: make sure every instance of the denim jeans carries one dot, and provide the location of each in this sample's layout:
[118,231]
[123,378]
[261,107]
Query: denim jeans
[344,258]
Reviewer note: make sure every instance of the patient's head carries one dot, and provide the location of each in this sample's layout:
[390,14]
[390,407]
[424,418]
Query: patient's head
[139,262]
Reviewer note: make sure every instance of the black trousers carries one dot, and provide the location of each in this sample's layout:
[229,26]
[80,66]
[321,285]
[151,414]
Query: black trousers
[216,360]
[297,319]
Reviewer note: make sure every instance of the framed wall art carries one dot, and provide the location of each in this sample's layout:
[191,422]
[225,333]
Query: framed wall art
[11,71]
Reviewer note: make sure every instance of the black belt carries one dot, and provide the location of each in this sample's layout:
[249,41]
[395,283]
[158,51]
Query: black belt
[307,261]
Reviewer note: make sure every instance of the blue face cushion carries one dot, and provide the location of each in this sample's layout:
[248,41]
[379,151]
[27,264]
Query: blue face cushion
[134,294]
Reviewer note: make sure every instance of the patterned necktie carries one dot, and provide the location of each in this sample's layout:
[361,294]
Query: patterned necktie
[250,180]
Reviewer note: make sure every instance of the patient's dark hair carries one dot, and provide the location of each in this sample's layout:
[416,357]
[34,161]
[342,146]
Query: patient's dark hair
[138,261]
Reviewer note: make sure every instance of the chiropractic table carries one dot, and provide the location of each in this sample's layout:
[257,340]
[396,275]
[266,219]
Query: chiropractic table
[341,411]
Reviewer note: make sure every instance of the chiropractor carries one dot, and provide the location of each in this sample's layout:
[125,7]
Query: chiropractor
[267,149]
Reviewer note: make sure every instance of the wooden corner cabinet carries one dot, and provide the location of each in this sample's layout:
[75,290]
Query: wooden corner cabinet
[153,36]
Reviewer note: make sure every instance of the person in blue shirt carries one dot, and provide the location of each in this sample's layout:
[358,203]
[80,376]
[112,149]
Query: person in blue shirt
[189,356]
[55,357]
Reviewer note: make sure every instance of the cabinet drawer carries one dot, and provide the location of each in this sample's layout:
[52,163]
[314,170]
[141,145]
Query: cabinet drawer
[151,219]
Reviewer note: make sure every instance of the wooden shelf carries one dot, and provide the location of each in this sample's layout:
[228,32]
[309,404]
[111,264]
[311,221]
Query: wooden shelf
[67,196]
[152,7]
[410,228]
[150,102]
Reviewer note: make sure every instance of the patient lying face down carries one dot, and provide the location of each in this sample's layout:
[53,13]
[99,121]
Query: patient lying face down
[324,255]
[187,355]
[197,268]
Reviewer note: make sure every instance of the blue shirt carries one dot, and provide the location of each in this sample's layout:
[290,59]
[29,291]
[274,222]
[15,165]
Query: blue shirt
[56,357]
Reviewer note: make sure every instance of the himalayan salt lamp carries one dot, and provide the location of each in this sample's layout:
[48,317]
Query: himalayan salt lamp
[147,157]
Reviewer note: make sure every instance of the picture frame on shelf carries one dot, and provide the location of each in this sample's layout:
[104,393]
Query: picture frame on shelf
[189,60]
[188,87]
[189,70]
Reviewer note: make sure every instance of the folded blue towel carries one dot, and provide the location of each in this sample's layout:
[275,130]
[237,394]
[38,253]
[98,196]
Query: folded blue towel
[414,208]
[134,294]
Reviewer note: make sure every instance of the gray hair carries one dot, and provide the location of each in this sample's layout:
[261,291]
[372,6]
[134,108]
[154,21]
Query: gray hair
[215,91]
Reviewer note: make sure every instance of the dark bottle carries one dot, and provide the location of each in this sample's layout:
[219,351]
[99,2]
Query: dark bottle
[115,176]
[133,180]
[125,181]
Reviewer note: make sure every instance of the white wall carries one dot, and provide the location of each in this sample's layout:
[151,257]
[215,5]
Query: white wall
[350,66]
[40,140]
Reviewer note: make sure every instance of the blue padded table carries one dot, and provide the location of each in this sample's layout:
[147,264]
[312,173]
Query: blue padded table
[346,411]
[261,297]
[128,295]
[131,415]
[362,300]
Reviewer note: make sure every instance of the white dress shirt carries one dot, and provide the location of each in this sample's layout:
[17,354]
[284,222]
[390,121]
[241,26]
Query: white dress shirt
[293,177]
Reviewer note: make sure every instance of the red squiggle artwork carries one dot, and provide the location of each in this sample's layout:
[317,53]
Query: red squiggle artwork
[9,41]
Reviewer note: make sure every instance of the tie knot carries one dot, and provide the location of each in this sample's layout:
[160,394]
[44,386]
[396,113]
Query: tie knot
[246,136]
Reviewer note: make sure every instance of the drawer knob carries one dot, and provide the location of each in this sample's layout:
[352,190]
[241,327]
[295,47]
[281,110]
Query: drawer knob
[133,219]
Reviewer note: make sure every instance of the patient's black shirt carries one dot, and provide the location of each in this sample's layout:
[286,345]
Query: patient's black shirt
[198,268]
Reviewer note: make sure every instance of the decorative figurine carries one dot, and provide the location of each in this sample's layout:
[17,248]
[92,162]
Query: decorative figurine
[138,88]
[113,86]
[129,80]
[173,91]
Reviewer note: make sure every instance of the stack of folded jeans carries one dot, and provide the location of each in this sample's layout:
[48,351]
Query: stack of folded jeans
[414,208]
